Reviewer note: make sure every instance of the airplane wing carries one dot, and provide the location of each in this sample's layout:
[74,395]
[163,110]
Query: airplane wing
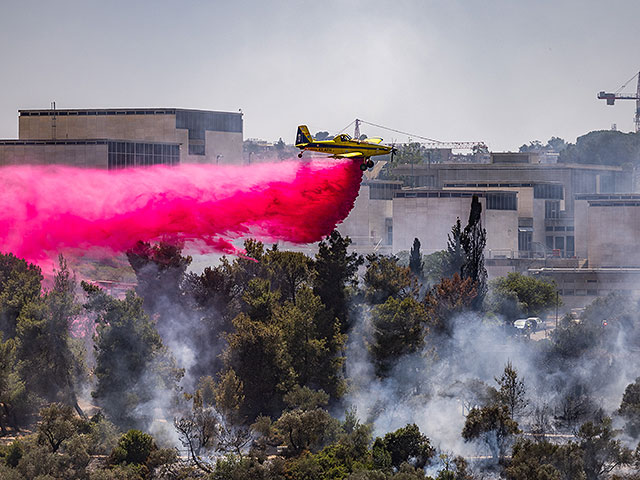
[372,140]
[348,155]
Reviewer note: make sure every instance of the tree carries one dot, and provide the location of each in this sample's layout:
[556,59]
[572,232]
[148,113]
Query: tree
[473,240]
[545,460]
[434,264]
[405,444]
[605,147]
[44,350]
[58,423]
[335,270]
[454,255]
[160,270]
[451,297]
[288,272]
[533,295]
[415,259]
[132,364]
[384,279]
[512,391]
[134,448]
[601,452]
[259,343]
[20,283]
[630,408]
[305,425]
[16,403]
[316,360]
[493,425]
[399,327]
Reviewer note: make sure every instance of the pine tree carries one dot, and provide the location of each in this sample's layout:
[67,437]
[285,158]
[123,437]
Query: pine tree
[454,255]
[473,240]
[415,259]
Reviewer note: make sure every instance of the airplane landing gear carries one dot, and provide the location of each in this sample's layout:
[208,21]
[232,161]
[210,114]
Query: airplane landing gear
[363,166]
[300,155]
[370,163]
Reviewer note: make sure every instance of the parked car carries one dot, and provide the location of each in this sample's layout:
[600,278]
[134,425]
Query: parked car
[525,326]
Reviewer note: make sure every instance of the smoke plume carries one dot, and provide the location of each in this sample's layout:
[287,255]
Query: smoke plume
[50,209]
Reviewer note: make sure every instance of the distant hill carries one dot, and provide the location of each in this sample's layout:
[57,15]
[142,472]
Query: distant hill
[604,147]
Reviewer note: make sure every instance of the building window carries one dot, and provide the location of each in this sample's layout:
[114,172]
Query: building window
[524,240]
[501,201]
[137,154]
[389,225]
[560,244]
[551,191]
[549,242]
[571,249]
[551,209]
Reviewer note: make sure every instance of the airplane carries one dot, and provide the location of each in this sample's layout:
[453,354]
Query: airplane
[343,146]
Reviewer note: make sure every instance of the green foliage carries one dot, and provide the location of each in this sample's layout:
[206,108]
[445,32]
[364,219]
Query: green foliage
[13,453]
[555,144]
[604,147]
[493,425]
[159,270]
[434,265]
[46,360]
[335,269]
[399,328]
[257,354]
[601,451]
[384,278]
[288,272]
[512,391]
[132,364]
[58,423]
[404,444]
[134,447]
[544,460]
[305,429]
[630,408]
[533,296]
[20,283]
[18,403]
[454,254]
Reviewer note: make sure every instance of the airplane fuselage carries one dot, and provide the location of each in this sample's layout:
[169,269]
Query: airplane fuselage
[333,148]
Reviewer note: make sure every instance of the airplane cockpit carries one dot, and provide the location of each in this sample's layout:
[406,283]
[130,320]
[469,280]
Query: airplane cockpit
[342,137]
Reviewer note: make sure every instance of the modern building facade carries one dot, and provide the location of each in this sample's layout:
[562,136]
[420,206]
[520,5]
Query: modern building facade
[117,138]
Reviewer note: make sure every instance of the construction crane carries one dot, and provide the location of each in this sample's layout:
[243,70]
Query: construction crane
[612,97]
[427,142]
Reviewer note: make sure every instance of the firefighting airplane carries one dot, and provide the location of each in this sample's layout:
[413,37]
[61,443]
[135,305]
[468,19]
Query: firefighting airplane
[343,146]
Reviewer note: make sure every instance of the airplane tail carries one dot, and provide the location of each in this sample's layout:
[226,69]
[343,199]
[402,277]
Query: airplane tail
[303,136]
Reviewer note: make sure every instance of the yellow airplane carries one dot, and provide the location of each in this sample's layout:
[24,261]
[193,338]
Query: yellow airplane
[343,146]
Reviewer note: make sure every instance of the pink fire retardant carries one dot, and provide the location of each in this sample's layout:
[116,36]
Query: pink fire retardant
[45,210]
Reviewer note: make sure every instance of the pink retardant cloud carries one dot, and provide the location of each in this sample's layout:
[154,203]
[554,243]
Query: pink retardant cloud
[46,210]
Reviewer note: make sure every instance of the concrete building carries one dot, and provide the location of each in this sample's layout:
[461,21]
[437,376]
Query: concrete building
[607,227]
[575,224]
[429,215]
[117,138]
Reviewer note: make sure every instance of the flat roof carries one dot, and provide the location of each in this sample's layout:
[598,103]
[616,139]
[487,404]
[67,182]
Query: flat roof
[607,196]
[421,193]
[507,166]
[114,111]
[67,141]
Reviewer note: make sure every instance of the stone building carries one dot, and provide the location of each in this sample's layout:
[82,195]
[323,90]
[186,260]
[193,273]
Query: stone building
[118,138]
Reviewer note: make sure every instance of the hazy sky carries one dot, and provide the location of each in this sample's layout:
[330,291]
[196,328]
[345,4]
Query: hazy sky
[502,71]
